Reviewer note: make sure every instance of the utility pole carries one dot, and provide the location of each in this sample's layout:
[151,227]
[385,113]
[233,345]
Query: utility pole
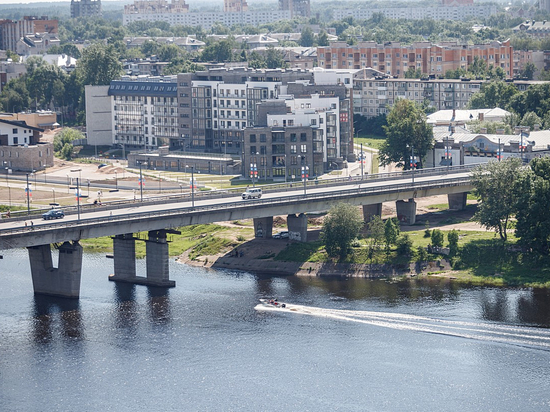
[28,197]
[361,158]
[78,198]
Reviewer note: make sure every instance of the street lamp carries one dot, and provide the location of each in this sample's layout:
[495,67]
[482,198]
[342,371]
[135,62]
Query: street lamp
[447,153]
[192,185]
[285,167]
[78,198]
[499,152]
[253,173]
[116,180]
[305,175]
[361,158]
[139,162]
[27,189]
[412,162]
[53,193]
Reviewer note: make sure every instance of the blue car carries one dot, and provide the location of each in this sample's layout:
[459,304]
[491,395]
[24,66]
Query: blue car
[53,214]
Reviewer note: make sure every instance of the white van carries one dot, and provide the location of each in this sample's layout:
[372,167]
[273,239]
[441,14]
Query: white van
[252,193]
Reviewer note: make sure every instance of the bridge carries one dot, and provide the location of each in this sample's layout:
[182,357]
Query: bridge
[163,215]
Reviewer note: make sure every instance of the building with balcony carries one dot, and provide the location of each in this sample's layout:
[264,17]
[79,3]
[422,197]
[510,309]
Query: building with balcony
[12,31]
[394,59]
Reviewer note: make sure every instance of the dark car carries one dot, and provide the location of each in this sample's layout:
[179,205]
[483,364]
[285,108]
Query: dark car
[101,165]
[53,214]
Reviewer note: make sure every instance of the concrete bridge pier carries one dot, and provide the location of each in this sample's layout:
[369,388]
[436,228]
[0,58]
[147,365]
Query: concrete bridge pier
[157,260]
[124,255]
[406,211]
[62,281]
[457,201]
[370,211]
[263,227]
[297,227]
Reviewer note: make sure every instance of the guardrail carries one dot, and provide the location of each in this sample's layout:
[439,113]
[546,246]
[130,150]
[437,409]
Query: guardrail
[463,181]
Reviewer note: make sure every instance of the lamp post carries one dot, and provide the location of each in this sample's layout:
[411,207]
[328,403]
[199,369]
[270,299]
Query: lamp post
[28,196]
[253,173]
[78,198]
[447,153]
[305,175]
[192,185]
[412,162]
[116,180]
[285,167]
[499,152]
[362,161]
[68,184]
[53,193]
[140,182]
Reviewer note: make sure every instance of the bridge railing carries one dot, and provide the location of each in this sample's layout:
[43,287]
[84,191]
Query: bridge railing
[298,198]
[232,192]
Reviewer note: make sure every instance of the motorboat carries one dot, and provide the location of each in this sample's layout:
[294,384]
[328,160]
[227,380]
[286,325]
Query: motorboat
[273,303]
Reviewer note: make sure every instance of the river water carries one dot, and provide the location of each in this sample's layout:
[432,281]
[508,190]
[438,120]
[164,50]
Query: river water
[357,345]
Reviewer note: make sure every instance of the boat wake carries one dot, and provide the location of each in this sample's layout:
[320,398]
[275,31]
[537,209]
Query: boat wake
[532,337]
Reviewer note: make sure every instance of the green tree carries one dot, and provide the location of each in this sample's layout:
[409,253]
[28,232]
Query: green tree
[376,234]
[322,39]
[452,237]
[495,187]
[391,232]
[63,142]
[437,238]
[533,194]
[531,119]
[493,94]
[274,58]
[528,72]
[340,227]
[404,246]
[99,65]
[406,131]
[307,38]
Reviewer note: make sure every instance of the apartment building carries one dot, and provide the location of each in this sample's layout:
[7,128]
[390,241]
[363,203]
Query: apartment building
[372,97]
[12,31]
[297,8]
[451,12]
[395,59]
[145,112]
[85,8]
[177,13]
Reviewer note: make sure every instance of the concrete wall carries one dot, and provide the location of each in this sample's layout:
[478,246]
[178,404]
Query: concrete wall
[99,116]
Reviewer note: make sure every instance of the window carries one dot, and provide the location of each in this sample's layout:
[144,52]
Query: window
[292,148]
[252,138]
[303,148]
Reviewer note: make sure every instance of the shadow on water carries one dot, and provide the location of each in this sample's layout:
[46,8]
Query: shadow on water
[159,300]
[55,315]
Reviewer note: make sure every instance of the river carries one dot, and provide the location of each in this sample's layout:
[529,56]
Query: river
[359,345]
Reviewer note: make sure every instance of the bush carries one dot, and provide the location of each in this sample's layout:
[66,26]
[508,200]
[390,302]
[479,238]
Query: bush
[404,245]
[421,254]
[437,238]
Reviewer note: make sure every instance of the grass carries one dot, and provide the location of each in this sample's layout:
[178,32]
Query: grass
[370,141]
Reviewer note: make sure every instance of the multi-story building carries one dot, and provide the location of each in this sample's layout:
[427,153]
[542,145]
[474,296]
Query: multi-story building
[395,59]
[297,8]
[453,12]
[85,8]
[534,29]
[145,112]
[12,31]
[177,13]
[232,6]
[37,43]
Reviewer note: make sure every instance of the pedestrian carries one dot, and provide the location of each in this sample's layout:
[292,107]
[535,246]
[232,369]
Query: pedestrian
[32,225]
[25,223]
[8,213]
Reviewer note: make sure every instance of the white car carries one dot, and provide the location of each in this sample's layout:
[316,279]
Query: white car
[252,193]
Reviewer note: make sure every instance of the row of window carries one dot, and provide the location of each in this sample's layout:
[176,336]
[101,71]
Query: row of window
[263,149]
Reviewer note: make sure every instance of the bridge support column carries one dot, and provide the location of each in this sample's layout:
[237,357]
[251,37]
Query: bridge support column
[263,227]
[370,211]
[406,211]
[457,201]
[62,281]
[124,254]
[297,227]
[158,259]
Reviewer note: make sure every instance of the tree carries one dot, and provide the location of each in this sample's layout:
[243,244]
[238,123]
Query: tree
[63,142]
[274,58]
[376,232]
[495,186]
[533,194]
[99,65]
[391,232]
[528,72]
[452,237]
[404,246]
[322,39]
[406,131]
[340,227]
[307,37]
[437,238]
[493,94]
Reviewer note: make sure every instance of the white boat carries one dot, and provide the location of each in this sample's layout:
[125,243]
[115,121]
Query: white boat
[273,303]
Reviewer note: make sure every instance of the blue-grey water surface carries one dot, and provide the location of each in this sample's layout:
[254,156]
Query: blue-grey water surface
[203,346]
